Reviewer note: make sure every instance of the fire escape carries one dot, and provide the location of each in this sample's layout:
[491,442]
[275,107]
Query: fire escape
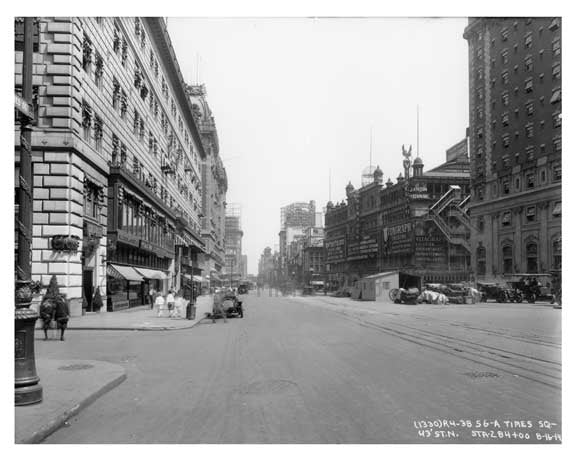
[450,214]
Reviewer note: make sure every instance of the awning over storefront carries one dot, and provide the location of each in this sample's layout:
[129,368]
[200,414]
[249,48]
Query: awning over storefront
[151,273]
[197,278]
[187,276]
[123,272]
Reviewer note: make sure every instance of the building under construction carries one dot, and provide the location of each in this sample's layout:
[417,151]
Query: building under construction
[233,245]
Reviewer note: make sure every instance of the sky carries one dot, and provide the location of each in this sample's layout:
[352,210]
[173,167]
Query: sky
[295,101]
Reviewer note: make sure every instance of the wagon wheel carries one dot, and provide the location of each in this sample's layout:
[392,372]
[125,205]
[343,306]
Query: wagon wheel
[393,293]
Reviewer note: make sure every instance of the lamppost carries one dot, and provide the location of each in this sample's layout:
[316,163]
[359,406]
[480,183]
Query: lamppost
[27,388]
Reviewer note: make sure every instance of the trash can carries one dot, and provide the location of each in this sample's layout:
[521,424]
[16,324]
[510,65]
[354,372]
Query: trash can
[191,311]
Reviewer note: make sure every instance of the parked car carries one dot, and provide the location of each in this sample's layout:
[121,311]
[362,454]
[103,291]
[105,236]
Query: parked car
[231,306]
[499,292]
[534,287]
[404,295]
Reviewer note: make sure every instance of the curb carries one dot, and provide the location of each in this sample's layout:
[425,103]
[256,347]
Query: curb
[61,419]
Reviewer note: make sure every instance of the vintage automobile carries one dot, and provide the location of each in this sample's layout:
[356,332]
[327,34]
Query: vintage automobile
[231,306]
[499,292]
[534,287]
[242,289]
[404,295]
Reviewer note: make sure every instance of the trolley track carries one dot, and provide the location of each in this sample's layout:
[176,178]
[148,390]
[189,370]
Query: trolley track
[536,369]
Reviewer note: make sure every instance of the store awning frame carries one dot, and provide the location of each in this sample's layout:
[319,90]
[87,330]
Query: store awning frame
[124,272]
[152,274]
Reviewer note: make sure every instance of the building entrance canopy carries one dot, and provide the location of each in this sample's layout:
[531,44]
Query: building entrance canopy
[123,272]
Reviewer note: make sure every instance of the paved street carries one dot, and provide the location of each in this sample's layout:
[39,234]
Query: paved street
[328,370]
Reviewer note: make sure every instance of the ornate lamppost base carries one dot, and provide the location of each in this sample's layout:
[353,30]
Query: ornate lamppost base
[27,389]
[28,395]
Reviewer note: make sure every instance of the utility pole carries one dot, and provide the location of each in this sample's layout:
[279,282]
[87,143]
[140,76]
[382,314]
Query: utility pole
[27,388]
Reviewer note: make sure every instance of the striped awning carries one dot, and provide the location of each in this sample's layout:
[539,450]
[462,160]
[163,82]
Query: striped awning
[123,272]
[151,273]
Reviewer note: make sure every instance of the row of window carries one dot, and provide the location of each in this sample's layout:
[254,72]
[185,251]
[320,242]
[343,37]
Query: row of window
[120,96]
[531,258]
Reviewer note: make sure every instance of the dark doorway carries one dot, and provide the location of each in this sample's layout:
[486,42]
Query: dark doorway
[88,288]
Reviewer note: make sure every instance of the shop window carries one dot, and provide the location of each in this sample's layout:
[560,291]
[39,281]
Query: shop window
[532,258]
[507,259]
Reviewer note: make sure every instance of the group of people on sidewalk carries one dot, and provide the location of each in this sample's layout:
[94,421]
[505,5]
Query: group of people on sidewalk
[172,302]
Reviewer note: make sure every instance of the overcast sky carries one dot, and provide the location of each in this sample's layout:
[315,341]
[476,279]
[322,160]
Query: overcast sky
[294,99]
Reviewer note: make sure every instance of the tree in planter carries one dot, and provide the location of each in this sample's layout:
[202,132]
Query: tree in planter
[97,301]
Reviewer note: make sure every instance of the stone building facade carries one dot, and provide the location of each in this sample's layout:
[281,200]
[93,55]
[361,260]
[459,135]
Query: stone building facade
[116,159]
[515,144]
[214,191]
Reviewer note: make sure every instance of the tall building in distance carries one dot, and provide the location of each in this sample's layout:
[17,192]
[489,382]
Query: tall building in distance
[295,218]
[233,245]
[515,144]
[215,186]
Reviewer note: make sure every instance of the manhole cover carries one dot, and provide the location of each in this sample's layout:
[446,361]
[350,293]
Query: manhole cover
[76,366]
[273,386]
[481,374]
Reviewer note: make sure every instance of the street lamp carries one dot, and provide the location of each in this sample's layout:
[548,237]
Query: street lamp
[27,389]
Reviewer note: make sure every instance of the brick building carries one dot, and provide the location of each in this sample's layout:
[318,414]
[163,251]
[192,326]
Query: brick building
[515,144]
[116,159]
[418,225]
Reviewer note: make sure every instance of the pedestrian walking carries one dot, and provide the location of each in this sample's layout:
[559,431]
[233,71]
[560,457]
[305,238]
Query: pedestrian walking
[160,304]
[47,314]
[170,302]
[61,315]
[152,297]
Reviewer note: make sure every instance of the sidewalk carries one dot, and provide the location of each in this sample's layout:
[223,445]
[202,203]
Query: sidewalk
[68,387]
[71,385]
[139,318]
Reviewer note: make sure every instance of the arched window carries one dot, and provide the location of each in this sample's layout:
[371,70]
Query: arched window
[481,261]
[532,257]
[507,259]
